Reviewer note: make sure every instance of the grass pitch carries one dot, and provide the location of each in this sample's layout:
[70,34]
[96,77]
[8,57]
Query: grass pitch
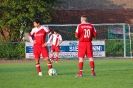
[110,74]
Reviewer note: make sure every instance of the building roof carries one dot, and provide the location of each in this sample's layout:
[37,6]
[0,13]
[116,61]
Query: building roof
[94,4]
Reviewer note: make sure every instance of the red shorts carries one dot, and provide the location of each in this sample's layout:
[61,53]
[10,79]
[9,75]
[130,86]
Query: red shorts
[55,48]
[85,48]
[38,50]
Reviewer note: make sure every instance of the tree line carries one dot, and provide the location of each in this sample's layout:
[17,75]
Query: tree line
[17,15]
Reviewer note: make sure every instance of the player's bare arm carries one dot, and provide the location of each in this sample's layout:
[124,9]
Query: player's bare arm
[76,32]
[49,40]
[59,43]
[94,33]
[31,40]
[45,44]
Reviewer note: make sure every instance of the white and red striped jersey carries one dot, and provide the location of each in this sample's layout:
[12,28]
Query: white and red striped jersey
[55,39]
[85,32]
[39,34]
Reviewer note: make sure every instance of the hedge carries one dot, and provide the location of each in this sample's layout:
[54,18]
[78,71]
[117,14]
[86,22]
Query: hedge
[12,51]
[15,51]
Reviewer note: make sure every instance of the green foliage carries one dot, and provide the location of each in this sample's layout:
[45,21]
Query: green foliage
[110,74]
[18,15]
[128,53]
[71,34]
[12,51]
[114,48]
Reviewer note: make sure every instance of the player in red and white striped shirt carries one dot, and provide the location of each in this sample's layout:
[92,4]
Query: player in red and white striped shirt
[85,32]
[56,40]
[39,33]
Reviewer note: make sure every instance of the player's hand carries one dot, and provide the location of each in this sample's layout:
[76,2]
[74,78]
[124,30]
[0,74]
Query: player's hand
[50,35]
[57,45]
[76,36]
[34,41]
[45,44]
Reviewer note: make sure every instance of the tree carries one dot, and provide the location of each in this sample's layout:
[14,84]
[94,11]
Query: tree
[17,15]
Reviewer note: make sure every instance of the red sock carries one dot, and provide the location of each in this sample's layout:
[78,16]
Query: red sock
[80,67]
[92,65]
[49,65]
[56,58]
[38,67]
[52,58]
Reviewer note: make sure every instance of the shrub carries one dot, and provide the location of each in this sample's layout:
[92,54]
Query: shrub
[12,51]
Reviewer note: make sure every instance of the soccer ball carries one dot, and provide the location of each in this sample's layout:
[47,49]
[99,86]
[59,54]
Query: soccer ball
[52,72]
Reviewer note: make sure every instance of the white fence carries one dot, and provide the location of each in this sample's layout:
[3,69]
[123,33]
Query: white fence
[117,37]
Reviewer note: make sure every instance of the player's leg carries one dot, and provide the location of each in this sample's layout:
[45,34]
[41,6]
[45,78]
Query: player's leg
[80,66]
[52,50]
[90,57]
[81,54]
[92,66]
[45,55]
[37,59]
[57,50]
[52,56]
[38,66]
[49,64]
[57,53]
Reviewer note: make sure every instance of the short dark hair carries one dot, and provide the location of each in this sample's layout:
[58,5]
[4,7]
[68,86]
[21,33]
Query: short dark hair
[37,20]
[55,30]
[85,17]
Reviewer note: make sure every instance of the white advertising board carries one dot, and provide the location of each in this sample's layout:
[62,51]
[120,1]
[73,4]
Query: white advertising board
[69,49]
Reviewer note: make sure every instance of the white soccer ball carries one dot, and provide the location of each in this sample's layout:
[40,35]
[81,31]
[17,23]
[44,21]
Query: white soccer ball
[52,72]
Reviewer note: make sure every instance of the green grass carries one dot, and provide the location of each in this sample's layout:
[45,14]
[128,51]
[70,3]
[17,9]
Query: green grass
[110,74]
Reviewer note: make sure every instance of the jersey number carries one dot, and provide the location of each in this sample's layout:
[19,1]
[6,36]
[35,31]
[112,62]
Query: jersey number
[86,33]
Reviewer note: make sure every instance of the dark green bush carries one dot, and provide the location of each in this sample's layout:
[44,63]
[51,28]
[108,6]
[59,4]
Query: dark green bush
[15,51]
[114,48]
[12,51]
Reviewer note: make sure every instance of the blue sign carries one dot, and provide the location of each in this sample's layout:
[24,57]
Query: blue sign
[29,49]
[98,48]
[69,49]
